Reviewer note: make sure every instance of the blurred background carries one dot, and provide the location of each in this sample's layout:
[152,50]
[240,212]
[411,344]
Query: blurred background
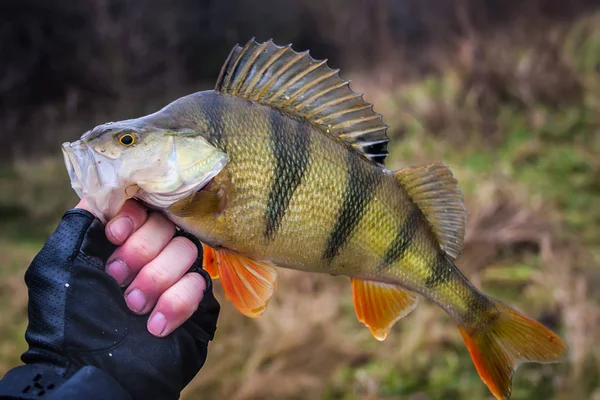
[506,92]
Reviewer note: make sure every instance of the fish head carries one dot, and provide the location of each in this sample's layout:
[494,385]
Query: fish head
[117,161]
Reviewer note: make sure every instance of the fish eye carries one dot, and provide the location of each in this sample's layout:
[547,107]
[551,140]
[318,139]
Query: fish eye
[127,139]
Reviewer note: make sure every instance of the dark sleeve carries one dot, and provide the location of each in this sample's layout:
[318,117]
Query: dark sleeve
[42,382]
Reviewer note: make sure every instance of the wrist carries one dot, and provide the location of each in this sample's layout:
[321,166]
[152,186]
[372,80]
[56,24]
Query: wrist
[35,381]
[30,381]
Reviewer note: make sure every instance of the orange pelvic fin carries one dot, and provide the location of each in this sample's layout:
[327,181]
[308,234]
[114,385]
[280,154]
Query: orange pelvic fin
[247,283]
[209,261]
[379,305]
[510,339]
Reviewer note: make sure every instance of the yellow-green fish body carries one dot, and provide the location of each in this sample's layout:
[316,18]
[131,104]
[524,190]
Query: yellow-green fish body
[282,166]
[308,201]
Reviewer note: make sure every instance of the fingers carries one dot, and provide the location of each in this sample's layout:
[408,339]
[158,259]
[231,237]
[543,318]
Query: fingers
[160,274]
[177,304]
[131,217]
[143,246]
[156,264]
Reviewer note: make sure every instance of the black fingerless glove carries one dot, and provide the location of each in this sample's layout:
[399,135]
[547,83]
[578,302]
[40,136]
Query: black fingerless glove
[84,343]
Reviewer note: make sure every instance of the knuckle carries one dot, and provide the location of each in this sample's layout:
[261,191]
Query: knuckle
[185,247]
[143,250]
[159,278]
[179,303]
[161,221]
[197,281]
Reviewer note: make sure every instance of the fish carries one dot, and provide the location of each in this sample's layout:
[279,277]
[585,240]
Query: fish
[282,165]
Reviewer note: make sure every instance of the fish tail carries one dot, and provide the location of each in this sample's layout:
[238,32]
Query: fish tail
[499,346]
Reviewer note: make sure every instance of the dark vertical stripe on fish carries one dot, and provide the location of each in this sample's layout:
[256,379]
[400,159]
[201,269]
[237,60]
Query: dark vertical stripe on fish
[441,270]
[404,236]
[290,141]
[360,188]
[215,113]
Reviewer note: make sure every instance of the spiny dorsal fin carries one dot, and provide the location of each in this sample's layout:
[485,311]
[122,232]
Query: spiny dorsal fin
[435,191]
[298,84]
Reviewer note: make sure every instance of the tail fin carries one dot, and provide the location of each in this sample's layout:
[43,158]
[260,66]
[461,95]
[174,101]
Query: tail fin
[506,342]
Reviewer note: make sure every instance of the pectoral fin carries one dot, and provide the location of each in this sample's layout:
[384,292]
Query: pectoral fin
[200,203]
[247,283]
[379,305]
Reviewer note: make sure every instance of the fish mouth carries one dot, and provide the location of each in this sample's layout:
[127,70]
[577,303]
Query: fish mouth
[80,166]
[93,180]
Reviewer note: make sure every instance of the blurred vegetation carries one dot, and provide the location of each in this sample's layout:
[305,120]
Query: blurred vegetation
[505,93]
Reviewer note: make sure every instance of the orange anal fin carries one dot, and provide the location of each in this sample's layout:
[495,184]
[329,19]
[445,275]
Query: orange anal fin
[209,261]
[379,305]
[247,283]
[502,344]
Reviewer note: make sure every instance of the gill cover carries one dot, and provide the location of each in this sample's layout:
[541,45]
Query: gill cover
[192,163]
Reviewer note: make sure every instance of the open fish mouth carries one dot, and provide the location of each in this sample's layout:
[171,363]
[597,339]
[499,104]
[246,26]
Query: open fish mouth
[94,180]
[80,166]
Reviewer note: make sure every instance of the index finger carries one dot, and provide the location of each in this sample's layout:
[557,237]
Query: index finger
[131,217]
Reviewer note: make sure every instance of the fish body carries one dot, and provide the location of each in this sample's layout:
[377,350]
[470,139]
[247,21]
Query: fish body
[309,202]
[282,166]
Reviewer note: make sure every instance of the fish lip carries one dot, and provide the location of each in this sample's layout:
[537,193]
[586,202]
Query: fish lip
[88,181]
[81,171]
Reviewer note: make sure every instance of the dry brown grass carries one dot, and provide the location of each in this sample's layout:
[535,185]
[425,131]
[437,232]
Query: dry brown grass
[13,302]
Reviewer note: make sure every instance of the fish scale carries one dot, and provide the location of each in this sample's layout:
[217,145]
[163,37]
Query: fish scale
[282,165]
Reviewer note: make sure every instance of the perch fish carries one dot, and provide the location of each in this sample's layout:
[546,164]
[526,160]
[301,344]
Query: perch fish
[282,165]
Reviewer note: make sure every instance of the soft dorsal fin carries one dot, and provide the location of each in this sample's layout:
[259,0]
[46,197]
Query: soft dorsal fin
[299,85]
[435,191]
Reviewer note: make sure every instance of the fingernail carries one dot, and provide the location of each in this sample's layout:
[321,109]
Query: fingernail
[136,300]
[118,270]
[157,324]
[121,228]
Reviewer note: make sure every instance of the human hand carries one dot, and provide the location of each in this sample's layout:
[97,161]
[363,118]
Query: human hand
[79,320]
[154,266]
